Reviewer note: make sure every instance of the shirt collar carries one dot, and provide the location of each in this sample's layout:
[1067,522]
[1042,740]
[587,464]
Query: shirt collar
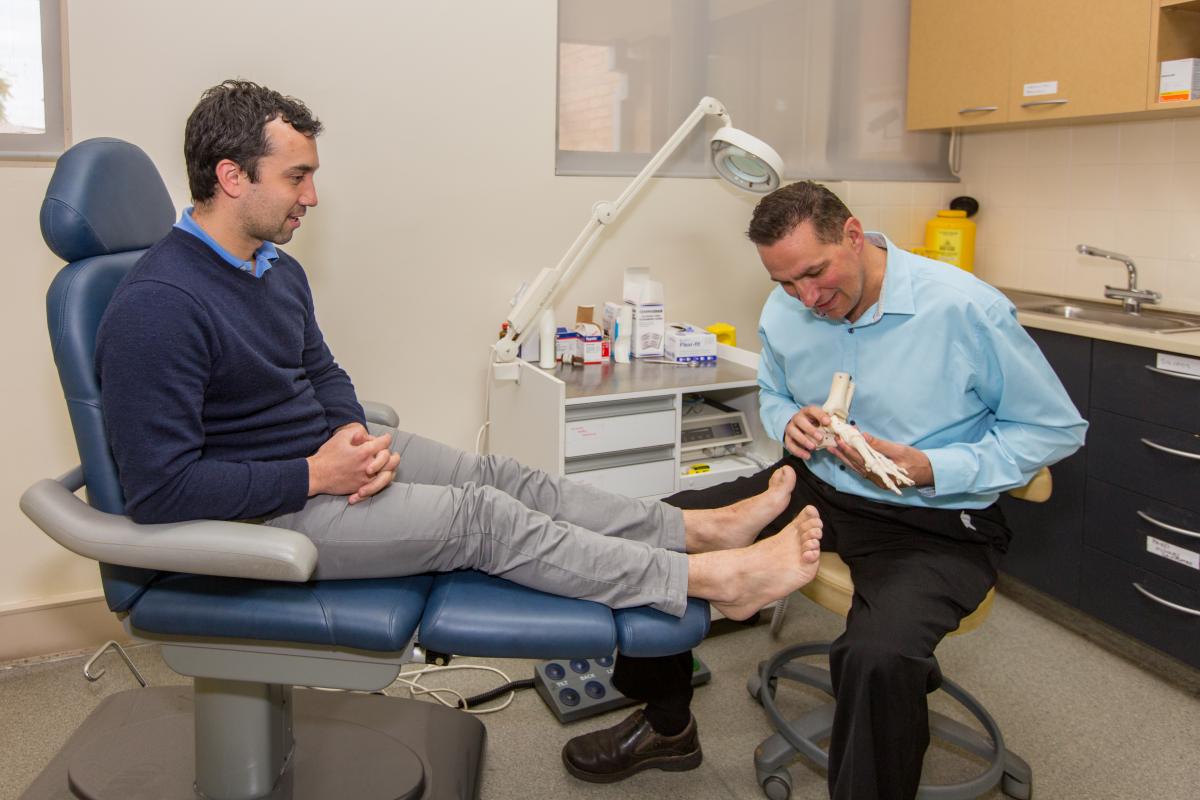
[258,264]
[896,295]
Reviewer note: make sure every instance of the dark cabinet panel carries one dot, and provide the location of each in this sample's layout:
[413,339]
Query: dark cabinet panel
[1159,462]
[1144,532]
[1047,537]
[1109,591]
[1125,381]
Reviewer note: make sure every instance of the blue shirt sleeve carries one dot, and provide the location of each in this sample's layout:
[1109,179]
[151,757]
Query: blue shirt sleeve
[776,406]
[1035,424]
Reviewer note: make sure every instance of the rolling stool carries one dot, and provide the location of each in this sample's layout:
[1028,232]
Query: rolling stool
[833,589]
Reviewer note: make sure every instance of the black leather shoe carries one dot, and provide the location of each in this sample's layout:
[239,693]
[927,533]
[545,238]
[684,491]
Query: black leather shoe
[630,746]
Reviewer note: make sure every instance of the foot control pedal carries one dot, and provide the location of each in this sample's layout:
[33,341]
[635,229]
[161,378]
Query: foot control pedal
[576,688]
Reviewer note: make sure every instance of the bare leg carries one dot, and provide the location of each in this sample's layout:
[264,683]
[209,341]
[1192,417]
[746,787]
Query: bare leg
[740,582]
[738,524]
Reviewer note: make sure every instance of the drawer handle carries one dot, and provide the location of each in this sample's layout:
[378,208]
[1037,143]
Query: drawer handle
[1166,603]
[1171,450]
[1166,527]
[1033,103]
[1172,374]
[978,109]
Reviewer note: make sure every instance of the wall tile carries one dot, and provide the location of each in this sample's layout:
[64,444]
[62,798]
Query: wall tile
[1095,144]
[1143,234]
[863,193]
[1093,186]
[1049,146]
[1144,186]
[1047,185]
[1044,270]
[1000,267]
[895,194]
[1187,140]
[1097,227]
[1184,240]
[1147,142]
[1086,276]
[999,228]
[1185,187]
[1010,148]
[1047,228]
[895,222]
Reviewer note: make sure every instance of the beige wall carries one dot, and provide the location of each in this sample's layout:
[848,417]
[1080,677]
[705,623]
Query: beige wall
[438,197]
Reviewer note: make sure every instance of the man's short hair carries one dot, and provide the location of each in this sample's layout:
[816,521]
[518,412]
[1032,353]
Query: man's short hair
[778,214]
[230,122]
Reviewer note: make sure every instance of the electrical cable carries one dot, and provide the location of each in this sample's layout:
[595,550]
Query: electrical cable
[415,689]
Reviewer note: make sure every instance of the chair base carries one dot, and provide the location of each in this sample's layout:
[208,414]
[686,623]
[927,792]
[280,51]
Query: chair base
[140,743]
[802,736]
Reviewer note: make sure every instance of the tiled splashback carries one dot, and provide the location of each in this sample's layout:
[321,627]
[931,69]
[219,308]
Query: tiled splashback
[1132,187]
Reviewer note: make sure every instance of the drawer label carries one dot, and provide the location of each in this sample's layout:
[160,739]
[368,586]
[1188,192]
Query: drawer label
[1040,88]
[1172,553]
[1180,364]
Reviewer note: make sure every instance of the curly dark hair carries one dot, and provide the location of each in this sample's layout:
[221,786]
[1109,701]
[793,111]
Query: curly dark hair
[230,122]
[778,214]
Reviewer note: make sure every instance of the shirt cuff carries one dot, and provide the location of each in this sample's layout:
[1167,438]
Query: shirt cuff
[954,471]
[294,480]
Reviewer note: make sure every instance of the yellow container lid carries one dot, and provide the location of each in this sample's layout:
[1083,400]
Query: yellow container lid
[953,213]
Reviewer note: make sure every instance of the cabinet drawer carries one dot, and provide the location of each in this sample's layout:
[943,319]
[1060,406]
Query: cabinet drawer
[613,427]
[648,479]
[1125,380]
[1109,593]
[1159,462]
[1144,532]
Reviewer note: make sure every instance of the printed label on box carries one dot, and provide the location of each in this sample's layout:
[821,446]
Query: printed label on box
[1172,553]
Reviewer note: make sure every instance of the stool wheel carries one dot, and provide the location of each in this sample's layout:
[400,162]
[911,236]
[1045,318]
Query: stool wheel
[1016,788]
[778,785]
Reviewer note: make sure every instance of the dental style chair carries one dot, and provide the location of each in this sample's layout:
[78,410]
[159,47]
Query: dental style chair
[833,589]
[231,604]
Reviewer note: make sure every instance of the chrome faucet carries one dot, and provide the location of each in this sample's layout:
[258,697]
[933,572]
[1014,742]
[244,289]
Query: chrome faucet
[1132,297]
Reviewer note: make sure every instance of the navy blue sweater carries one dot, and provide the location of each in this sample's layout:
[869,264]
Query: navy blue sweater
[215,385]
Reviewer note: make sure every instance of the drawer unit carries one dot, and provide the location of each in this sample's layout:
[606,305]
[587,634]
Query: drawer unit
[1144,532]
[640,473]
[1159,612]
[1156,461]
[1126,380]
[621,425]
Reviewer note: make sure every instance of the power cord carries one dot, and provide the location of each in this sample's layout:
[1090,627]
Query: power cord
[467,704]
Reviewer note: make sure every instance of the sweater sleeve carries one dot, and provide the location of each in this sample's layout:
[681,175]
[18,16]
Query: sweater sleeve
[330,383]
[154,355]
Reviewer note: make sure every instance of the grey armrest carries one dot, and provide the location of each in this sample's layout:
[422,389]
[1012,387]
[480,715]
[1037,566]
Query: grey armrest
[205,547]
[381,414]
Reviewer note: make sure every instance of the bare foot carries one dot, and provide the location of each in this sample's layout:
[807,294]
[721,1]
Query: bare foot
[738,524]
[740,582]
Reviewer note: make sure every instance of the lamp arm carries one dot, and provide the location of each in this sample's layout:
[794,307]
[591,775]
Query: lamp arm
[541,292]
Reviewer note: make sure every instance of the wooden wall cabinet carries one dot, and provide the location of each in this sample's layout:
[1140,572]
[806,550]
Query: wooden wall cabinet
[1030,61]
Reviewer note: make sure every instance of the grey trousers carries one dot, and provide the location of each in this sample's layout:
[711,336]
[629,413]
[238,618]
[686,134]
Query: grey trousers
[449,510]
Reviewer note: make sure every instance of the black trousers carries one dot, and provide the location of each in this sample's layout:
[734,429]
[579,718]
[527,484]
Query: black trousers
[917,572]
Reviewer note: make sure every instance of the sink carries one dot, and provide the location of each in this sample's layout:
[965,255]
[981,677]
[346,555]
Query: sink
[1107,315]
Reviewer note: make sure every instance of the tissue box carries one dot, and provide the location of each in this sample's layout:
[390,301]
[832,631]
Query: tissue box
[689,343]
[649,317]
[1179,80]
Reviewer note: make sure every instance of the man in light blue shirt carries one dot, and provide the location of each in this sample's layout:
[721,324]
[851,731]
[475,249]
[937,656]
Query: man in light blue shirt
[951,388]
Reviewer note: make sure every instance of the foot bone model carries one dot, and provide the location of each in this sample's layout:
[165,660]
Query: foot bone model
[841,391]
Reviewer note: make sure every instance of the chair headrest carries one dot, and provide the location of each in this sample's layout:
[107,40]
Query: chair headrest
[105,197]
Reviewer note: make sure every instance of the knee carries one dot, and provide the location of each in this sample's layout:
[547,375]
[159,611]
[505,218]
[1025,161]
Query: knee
[882,660]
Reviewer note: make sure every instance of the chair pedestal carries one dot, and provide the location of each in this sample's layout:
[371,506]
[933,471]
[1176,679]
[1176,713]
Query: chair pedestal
[346,745]
[803,735]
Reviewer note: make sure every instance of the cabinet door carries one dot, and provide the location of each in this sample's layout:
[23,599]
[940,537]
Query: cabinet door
[958,63]
[1073,58]
[1047,537]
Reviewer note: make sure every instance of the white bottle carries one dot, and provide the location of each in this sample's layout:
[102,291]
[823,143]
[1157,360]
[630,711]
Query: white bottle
[547,333]
[624,335]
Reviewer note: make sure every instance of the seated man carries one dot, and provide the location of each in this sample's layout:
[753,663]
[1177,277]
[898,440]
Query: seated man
[222,401]
[958,395]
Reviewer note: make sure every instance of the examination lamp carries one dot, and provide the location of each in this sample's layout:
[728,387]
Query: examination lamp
[738,157]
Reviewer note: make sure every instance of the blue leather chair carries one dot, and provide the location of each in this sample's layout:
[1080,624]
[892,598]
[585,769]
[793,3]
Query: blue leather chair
[231,604]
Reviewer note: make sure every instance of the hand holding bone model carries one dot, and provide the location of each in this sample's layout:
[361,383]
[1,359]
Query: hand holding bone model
[874,463]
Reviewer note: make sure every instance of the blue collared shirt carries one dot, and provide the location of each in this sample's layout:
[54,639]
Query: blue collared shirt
[939,363]
[256,266]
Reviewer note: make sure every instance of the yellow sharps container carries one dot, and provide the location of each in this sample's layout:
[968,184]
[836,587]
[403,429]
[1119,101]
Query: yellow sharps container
[950,237]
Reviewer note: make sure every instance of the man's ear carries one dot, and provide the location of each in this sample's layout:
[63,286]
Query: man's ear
[231,179]
[853,234]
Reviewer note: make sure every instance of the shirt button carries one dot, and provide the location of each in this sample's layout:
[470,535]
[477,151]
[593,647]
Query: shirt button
[842,467]
[850,330]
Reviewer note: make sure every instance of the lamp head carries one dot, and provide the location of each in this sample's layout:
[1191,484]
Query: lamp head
[745,161]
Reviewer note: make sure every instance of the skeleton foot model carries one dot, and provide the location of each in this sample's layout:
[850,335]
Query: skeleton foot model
[838,408]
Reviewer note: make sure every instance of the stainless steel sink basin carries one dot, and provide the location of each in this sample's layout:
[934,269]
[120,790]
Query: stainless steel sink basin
[1107,315]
